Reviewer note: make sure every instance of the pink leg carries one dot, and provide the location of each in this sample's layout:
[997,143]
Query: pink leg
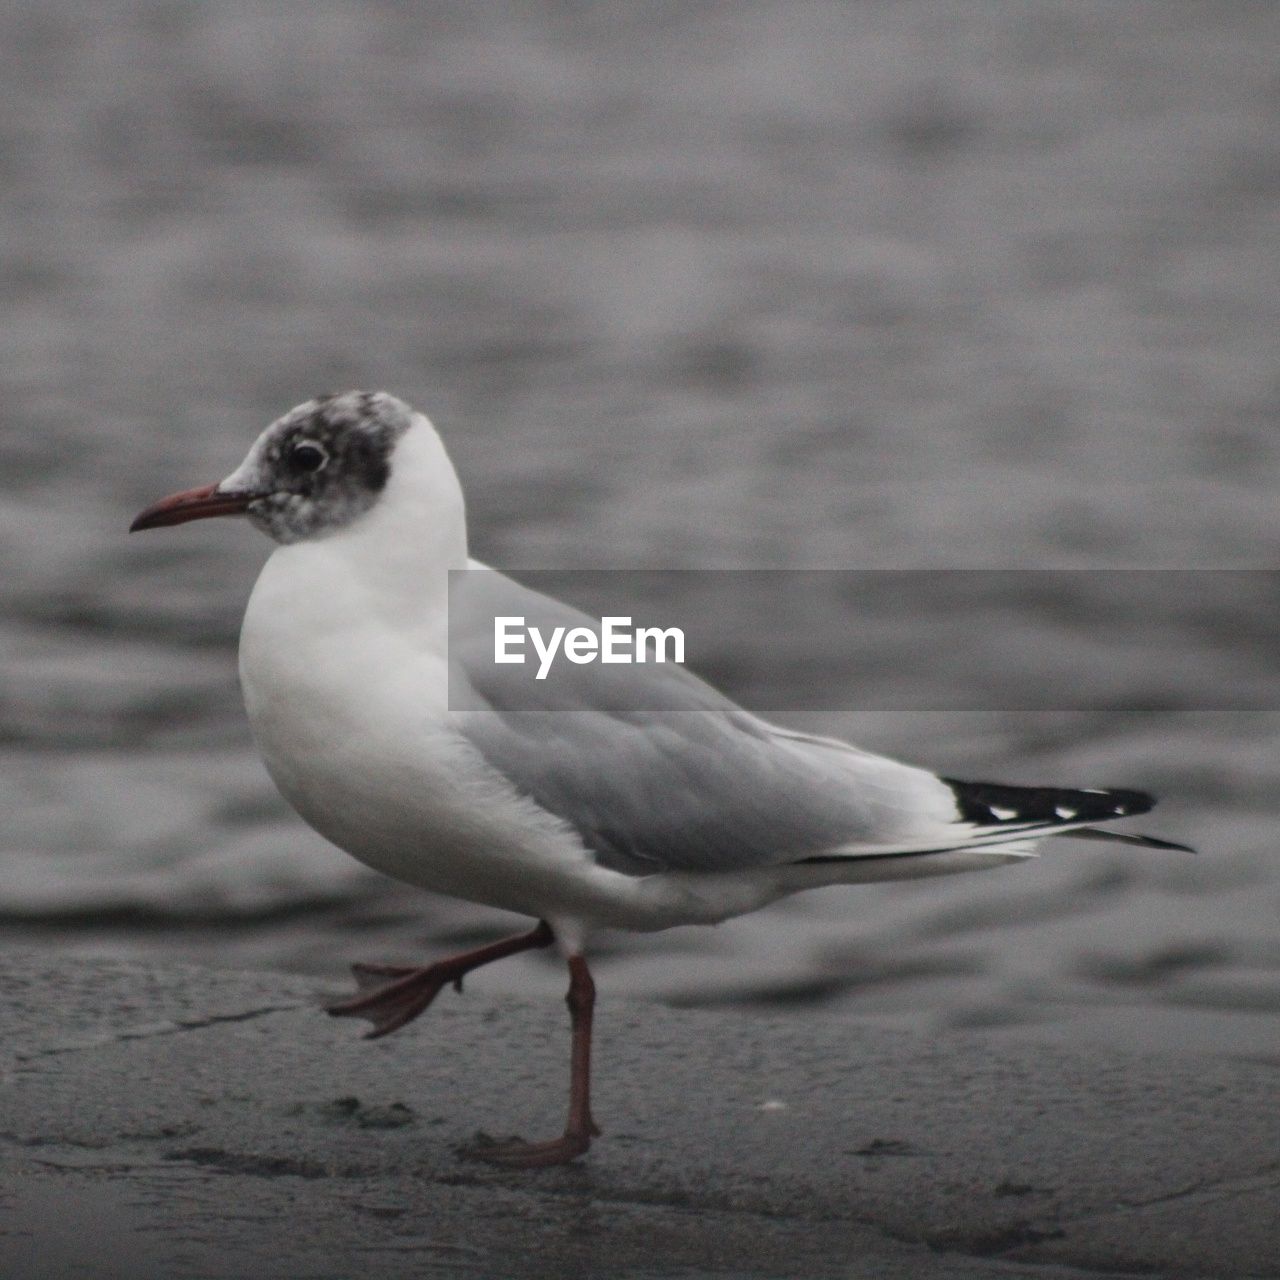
[390,996]
[580,1128]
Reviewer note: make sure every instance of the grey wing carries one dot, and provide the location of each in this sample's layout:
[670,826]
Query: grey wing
[656,771]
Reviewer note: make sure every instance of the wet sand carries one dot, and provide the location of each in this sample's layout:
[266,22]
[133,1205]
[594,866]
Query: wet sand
[187,1123]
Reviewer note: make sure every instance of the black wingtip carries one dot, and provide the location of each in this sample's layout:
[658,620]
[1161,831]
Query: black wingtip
[989,804]
[993,805]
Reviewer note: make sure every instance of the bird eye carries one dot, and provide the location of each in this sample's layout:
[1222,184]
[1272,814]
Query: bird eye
[308,456]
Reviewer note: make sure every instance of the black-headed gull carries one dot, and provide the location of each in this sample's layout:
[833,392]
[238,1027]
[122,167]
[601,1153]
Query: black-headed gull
[689,811]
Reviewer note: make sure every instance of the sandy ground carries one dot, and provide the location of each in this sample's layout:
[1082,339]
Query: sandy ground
[187,1123]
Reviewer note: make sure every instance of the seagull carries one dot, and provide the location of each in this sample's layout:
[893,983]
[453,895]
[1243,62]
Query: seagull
[374,699]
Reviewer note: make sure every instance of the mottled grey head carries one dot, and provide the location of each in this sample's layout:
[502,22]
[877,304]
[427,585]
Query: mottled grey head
[322,465]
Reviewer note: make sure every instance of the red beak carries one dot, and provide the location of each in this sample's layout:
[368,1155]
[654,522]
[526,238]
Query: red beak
[192,504]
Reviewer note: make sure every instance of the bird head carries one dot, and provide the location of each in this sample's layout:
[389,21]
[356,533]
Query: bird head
[310,473]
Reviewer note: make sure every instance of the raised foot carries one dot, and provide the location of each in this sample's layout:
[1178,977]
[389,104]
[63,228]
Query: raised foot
[515,1153]
[389,996]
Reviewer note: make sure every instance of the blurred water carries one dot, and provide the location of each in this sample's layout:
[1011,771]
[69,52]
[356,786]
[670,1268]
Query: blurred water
[765,285]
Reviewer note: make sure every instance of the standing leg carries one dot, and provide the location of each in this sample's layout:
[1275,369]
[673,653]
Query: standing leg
[390,996]
[582,1002]
[579,1128]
